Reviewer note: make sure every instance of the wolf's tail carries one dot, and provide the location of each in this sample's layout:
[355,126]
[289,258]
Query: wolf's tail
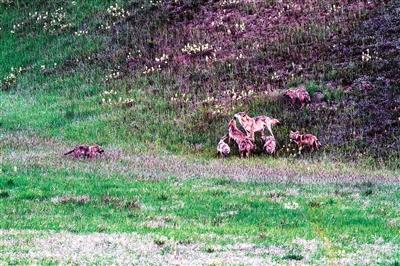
[71,151]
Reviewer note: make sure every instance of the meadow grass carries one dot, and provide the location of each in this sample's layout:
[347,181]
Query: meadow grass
[211,211]
[144,188]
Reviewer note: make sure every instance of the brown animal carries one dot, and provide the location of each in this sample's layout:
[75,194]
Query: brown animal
[223,148]
[269,144]
[234,132]
[85,151]
[256,124]
[94,150]
[245,144]
[306,140]
[79,151]
[299,94]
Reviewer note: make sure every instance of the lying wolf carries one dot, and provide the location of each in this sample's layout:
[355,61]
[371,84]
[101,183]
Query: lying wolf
[256,124]
[85,151]
[306,140]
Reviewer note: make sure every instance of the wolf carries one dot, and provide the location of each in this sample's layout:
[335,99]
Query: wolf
[245,144]
[256,124]
[85,151]
[306,140]
[269,144]
[223,148]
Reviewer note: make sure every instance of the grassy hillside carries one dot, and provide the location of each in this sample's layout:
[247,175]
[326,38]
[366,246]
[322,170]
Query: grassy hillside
[155,83]
[171,74]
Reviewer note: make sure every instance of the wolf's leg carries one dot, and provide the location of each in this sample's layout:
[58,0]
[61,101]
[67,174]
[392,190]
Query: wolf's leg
[269,127]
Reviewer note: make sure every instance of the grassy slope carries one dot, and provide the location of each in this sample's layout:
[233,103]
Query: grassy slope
[64,107]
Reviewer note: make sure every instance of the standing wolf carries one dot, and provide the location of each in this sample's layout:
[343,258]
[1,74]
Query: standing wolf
[256,124]
[306,140]
[245,144]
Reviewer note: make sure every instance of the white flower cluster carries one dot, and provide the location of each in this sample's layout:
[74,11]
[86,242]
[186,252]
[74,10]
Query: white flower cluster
[162,59]
[291,205]
[117,12]
[111,92]
[209,100]
[16,27]
[152,69]
[155,2]
[219,109]
[335,8]
[234,101]
[365,56]
[105,26]
[240,26]
[240,56]
[113,75]
[211,58]
[80,32]
[119,101]
[226,3]
[111,98]
[237,96]
[11,78]
[275,76]
[193,49]
[181,98]
[133,54]
[52,22]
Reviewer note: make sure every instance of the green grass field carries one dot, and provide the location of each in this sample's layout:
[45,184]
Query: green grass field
[317,222]
[150,199]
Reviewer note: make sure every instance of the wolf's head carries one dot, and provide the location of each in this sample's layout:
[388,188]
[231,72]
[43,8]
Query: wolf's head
[232,123]
[97,149]
[294,135]
[275,121]
[242,116]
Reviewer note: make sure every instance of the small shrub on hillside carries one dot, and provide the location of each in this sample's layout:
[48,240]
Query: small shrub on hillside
[197,49]
[330,93]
